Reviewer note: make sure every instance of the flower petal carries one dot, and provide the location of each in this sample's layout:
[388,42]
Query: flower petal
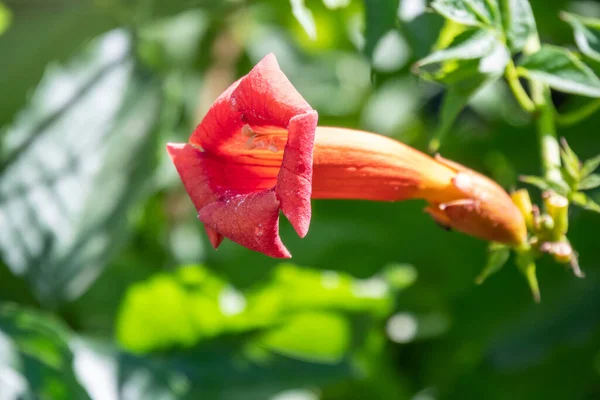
[266,97]
[193,168]
[220,125]
[294,183]
[197,172]
[251,220]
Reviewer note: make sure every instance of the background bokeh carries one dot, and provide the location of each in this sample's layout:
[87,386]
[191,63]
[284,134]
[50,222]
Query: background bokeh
[109,288]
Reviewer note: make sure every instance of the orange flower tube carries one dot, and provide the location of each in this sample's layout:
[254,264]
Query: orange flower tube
[259,150]
[351,164]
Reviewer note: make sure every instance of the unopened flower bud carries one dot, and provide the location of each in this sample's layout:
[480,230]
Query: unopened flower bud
[557,207]
[523,202]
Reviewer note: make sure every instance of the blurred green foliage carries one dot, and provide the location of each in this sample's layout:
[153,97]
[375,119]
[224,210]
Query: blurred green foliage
[101,291]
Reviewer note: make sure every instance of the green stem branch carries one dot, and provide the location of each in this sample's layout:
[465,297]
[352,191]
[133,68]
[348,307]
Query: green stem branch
[512,77]
[546,123]
[575,116]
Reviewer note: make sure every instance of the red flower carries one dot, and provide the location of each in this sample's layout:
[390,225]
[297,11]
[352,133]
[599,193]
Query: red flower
[250,157]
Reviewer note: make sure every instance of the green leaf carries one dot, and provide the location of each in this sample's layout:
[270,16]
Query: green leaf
[497,257]
[570,161]
[536,181]
[380,18]
[587,34]
[37,38]
[455,100]
[304,17]
[335,4]
[590,166]
[235,366]
[310,336]
[584,201]
[527,266]
[73,165]
[193,305]
[36,357]
[589,182]
[474,53]
[561,70]
[468,12]
[5,18]
[519,23]
[560,187]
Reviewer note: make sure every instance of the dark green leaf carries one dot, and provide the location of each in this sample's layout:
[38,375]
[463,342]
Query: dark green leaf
[590,166]
[570,161]
[497,257]
[589,182]
[36,359]
[519,23]
[468,12]
[587,34]
[473,54]
[455,99]
[584,201]
[380,18]
[227,368]
[73,164]
[561,70]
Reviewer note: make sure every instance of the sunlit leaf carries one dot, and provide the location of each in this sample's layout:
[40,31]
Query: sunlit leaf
[589,182]
[519,23]
[497,257]
[590,166]
[35,358]
[304,17]
[472,54]
[335,4]
[587,34]
[584,201]
[570,161]
[543,184]
[561,70]
[468,12]
[193,305]
[311,336]
[5,18]
[37,38]
[72,165]
[536,181]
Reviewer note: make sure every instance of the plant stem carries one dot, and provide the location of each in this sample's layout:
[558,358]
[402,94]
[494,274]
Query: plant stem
[546,124]
[573,117]
[519,92]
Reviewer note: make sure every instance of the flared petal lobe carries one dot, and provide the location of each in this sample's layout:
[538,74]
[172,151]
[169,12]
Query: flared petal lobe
[249,157]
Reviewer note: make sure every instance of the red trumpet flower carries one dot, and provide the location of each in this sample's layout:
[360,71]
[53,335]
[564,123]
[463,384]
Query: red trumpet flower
[252,155]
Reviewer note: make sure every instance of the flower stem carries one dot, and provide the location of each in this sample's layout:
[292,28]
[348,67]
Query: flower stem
[578,115]
[546,124]
[519,92]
